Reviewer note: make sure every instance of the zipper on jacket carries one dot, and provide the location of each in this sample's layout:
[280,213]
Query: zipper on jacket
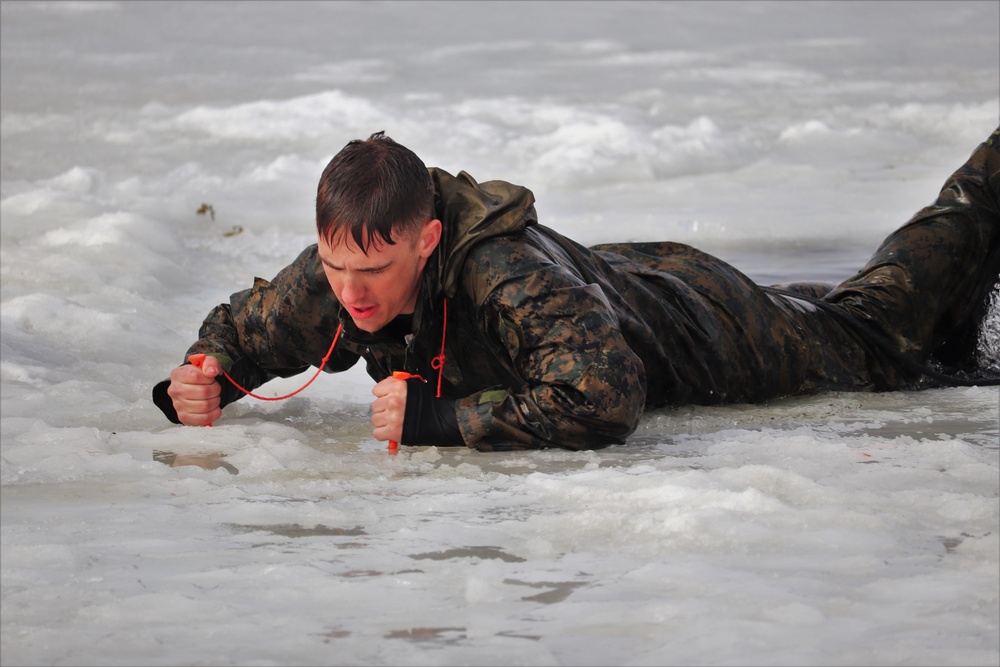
[408,353]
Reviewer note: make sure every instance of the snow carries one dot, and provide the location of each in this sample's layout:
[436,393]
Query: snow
[787,138]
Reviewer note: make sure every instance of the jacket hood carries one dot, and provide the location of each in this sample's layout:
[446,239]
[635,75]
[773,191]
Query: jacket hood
[472,212]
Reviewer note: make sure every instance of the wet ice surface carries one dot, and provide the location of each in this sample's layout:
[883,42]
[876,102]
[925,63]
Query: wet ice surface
[831,529]
[746,535]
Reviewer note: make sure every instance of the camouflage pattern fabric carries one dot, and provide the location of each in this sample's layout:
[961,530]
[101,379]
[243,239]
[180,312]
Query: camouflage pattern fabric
[550,343]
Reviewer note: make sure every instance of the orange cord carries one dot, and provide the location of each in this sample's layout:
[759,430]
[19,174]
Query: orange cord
[198,359]
[437,363]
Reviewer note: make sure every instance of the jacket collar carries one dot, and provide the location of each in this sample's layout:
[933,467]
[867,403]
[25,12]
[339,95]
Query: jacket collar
[470,213]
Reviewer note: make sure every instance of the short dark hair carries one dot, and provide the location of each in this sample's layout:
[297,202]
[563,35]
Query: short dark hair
[372,188]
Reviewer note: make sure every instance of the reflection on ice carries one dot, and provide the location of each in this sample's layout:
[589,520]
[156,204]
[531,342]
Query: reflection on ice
[207,461]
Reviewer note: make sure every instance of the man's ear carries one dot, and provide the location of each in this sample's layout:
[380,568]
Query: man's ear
[430,236]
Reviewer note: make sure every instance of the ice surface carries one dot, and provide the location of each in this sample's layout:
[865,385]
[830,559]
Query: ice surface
[788,138]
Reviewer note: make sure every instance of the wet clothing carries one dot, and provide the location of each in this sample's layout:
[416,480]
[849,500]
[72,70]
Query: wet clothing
[549,343]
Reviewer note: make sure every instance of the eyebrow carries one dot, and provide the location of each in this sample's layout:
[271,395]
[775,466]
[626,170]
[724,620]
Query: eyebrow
[367,269]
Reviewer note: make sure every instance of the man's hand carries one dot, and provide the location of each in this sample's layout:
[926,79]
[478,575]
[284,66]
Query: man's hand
[196,393]
[388,409]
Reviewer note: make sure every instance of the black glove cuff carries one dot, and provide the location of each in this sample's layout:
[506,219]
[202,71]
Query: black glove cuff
[429,420]
[162,400]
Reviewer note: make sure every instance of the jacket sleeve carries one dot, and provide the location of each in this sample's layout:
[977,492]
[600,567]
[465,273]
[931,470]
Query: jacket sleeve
[582,386]
[276,328]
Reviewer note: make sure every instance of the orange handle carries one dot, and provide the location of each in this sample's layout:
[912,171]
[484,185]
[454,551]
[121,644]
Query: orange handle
[198,360]
[400,375]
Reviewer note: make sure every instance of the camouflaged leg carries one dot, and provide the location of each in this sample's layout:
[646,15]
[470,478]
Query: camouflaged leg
[816,290]
[926,286]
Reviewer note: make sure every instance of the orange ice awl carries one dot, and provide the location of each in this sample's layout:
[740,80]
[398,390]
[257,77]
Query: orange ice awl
[400,375]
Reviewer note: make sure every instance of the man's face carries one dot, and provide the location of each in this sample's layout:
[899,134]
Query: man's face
[376,287]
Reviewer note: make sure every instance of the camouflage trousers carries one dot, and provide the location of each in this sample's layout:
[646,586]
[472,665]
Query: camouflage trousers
[919,301]
[927,287]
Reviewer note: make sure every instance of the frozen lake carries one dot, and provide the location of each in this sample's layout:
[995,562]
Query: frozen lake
[786,137]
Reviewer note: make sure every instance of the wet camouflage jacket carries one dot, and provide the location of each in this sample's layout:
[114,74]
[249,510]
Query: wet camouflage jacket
[549,343]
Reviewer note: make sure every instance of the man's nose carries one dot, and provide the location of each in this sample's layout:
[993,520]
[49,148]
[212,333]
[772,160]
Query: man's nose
[353,289]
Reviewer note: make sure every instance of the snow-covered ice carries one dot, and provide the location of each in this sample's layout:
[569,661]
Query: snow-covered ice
[786,137]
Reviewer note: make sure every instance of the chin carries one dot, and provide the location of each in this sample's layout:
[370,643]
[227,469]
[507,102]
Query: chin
[368,325]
